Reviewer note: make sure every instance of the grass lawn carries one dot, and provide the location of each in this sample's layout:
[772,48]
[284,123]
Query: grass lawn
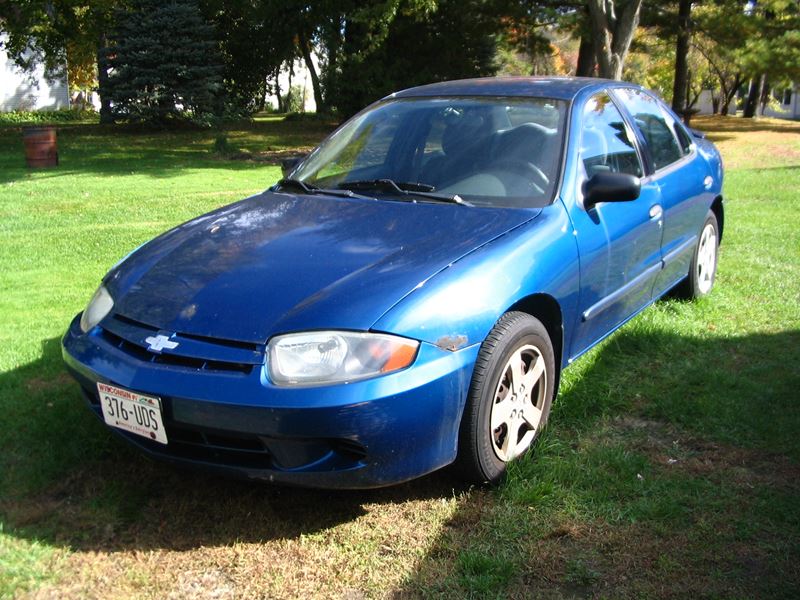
[671,466]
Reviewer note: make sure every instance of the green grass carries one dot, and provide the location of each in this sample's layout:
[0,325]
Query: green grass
[670,464]
[670,467]
[25,564]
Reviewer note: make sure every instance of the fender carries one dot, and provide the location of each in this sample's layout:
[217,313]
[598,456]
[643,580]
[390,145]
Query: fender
[459,306]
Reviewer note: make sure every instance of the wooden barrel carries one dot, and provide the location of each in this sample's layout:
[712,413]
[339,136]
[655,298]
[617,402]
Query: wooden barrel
[41,148]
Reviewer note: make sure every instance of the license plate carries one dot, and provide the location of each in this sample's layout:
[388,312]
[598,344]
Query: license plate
[132,412]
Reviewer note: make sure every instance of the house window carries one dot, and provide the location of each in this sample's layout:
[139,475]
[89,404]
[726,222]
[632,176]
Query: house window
[787,97]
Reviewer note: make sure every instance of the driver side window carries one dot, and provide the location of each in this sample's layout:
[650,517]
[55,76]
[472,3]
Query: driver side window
[605,144]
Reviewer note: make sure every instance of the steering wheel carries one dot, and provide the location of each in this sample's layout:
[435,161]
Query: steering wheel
[527,169]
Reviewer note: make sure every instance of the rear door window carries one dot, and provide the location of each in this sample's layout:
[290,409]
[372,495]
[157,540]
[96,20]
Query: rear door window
[655,125]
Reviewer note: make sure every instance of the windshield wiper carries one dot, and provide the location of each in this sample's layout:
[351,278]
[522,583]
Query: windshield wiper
[422,190]
[308,188]
[297,184]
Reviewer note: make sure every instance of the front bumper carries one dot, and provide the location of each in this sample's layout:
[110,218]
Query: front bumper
[365,434]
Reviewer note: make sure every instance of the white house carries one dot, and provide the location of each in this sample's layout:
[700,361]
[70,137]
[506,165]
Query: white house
[22,90]
[705,104]
[787,103]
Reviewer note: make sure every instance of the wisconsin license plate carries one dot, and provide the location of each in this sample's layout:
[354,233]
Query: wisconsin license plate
[132,412]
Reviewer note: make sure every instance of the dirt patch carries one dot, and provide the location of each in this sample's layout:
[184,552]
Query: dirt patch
[673,448]
[753,143]
[270,157]
[39,384]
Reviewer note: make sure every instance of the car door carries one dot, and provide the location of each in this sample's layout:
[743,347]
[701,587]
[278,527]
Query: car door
[680,175]
[619,242]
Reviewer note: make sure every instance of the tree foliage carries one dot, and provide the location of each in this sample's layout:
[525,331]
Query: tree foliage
[419,43]
[257,38]
[163,63]
[358,50]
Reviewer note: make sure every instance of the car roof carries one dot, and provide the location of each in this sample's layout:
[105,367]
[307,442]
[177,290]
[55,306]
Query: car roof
[562,88]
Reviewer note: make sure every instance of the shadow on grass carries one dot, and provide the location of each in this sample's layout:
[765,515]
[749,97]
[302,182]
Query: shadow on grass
[669,469]
[596,501]
[123,150]
[714,124]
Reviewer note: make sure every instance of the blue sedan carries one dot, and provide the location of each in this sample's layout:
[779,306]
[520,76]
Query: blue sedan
[408,295]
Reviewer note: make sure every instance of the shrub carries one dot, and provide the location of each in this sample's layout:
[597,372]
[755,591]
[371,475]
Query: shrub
[47,117]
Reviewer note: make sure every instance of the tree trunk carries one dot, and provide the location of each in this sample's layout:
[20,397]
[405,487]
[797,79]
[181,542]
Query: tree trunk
[305,49]
[262,96]
[766,90]
[680,83]
[613,33]
[724,98]
[278,90]
[106,115]
[586,57]
[753,96]
[730,93]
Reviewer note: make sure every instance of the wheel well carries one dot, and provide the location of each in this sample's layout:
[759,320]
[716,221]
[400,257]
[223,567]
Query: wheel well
[545,308]
[719,212]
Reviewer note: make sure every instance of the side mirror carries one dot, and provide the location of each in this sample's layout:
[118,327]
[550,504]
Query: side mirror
[288,164]
[610,187]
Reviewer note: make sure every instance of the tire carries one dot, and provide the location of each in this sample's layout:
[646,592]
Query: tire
[703,268]
[494,399]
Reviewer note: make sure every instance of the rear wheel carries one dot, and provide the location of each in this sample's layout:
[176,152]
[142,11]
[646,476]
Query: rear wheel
[703,269]
[509,399]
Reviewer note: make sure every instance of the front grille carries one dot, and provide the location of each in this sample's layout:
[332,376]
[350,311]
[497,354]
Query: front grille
[215,447]
[177,360]
[197,353]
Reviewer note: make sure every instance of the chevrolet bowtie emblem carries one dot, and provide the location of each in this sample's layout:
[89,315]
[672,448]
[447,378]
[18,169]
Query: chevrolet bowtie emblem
[160,342]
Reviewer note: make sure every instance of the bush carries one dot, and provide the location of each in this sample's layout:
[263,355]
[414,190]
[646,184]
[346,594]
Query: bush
[309,116]
[47,117]
[293,101]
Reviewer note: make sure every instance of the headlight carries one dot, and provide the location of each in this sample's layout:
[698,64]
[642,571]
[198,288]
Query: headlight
[99,306]
[321,357]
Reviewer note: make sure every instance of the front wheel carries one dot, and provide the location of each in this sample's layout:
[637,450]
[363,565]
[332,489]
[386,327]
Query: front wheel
[703,268]
[509,398]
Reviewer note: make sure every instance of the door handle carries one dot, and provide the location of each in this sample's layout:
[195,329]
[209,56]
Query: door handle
[656,211]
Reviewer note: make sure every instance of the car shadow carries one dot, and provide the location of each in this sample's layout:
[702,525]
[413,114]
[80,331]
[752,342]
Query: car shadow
[66,480]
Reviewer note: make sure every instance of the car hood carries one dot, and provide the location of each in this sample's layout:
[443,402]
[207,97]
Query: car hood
[278,262]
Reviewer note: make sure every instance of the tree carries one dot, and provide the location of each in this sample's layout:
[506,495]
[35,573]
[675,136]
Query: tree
[587,56]
[773,56]
[755,41]
[727,73]
[681,79]
[163,63]
[372,48]
[253,49]
[59,31]
[613,26]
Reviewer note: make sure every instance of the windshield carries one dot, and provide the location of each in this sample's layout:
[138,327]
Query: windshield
[487,151]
